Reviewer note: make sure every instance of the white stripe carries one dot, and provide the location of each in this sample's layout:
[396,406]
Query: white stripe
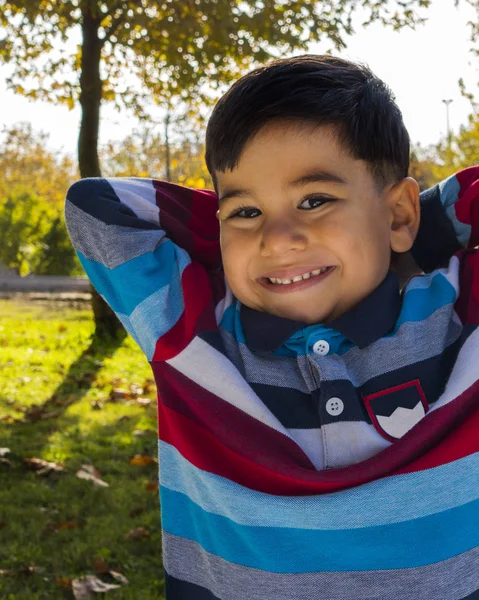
[465,372]
[139,195]
[210,369]
[311,442]
[351,442]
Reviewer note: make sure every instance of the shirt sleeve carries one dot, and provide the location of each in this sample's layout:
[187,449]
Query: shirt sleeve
[449,220]
[151,249]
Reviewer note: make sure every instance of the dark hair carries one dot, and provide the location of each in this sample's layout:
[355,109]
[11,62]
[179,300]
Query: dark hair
[322,90]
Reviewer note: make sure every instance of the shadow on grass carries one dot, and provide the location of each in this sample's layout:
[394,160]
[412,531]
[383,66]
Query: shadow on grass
[81,375]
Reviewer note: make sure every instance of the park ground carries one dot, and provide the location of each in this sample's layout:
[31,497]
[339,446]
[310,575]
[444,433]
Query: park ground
[78,468]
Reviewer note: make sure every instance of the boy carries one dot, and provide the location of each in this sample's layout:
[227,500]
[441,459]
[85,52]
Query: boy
[317,427]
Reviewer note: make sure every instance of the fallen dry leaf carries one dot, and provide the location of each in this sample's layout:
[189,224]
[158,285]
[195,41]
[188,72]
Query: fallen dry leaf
[152,485]
[140,460]
[136,390]
[43,467]
[143,402]
[100,566]
[149,386]
[84,587]
[35,413]
[64,582]
[5,451]
[89,473]
[119,577]
[62,525]
[6,462]
[141,432]
[7,572]
[32,569]
[139,533]
[118,394]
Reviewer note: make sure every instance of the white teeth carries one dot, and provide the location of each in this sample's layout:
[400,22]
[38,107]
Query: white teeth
[298,278]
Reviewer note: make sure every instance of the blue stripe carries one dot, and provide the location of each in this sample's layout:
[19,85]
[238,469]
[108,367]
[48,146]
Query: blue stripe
[231,321]
[388,500]
[421,302]
[132,282]
[286,550]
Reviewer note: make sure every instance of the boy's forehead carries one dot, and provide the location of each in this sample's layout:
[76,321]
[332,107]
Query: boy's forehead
[290,155]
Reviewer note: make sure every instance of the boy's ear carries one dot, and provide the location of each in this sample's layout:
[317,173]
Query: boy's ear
[404,214]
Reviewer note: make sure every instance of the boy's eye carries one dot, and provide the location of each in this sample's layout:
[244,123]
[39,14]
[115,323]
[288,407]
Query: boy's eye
[247,212]
[316,201]
[243,209]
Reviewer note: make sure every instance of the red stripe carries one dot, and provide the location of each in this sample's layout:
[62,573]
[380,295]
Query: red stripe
[189,218]
[198,314]
[467,205]
[232,427]
[467,304]
[443,436]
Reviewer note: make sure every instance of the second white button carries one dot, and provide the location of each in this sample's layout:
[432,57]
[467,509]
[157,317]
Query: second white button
[334,406]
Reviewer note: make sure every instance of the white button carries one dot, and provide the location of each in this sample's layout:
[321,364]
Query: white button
[334,406]
[321,347]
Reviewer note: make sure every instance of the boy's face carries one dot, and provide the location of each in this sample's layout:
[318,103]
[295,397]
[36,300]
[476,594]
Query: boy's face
[287,229]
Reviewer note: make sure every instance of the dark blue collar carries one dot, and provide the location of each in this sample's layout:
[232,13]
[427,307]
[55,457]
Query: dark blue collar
[363,324]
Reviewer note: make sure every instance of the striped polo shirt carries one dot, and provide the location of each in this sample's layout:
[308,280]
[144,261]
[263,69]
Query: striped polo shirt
[301,462]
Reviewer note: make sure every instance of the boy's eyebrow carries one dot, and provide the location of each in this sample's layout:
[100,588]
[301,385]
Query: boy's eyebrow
[311,177]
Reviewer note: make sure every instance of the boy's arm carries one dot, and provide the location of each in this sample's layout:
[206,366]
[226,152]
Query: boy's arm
[151,250]
[449,219]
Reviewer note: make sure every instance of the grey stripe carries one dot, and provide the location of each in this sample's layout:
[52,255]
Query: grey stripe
[110,245]
[451,579]
[273,370]
[415,341]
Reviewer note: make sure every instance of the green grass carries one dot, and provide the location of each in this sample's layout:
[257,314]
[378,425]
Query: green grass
[59,522]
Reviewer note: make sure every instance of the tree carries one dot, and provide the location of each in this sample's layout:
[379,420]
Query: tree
[27,163]
[32,191]
[147,153]
[171,47]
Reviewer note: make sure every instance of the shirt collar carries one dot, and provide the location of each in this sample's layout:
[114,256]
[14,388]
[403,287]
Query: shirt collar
[363,324]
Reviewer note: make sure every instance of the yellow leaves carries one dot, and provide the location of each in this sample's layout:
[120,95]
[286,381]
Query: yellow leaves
[141,460]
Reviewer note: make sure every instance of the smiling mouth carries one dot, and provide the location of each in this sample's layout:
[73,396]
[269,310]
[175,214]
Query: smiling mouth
[296,283]
[298,278]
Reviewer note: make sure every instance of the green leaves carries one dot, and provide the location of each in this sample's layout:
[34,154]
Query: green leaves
[173,48]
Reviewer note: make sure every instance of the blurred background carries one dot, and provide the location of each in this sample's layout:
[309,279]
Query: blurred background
[124,88]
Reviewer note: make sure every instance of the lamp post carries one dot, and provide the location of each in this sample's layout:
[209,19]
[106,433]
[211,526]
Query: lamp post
[447,103]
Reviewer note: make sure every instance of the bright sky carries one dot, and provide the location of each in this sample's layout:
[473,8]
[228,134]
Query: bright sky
[422,68]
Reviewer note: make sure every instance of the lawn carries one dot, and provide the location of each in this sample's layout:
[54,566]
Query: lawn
[75,403]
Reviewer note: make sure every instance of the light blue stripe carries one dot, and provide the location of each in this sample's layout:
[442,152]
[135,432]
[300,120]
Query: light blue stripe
[131,283]
[420,302]
[449,194]
[392,499]
[286,550]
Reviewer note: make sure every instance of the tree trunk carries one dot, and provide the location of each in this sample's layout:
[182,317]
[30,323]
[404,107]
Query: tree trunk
[106,322]
[167,145]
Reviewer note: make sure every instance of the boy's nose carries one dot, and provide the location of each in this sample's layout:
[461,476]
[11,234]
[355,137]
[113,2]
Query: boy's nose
[281,237]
